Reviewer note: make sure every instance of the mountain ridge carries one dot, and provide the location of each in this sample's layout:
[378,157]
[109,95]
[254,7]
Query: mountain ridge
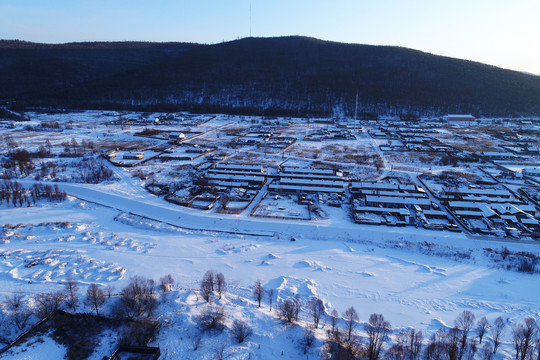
[281,75]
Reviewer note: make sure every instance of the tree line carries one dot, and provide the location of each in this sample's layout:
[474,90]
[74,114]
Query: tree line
[465,340]
[15,194]
[340,336]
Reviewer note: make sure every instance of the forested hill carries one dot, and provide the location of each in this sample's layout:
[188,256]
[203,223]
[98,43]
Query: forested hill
[285,75]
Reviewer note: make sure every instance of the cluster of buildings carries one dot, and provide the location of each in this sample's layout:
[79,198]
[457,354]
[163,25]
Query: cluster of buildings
[490,209]
[330,134]
[391,202]
[395,137]
[308,180]
[262,137]
[434,202]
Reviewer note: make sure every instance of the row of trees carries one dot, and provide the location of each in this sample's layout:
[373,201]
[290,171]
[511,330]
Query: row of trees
[468,339]
[452,344]
[138,300]
[12,192]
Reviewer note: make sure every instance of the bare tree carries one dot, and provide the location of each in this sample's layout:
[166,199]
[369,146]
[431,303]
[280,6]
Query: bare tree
[316,308]
[416,340]
[221,284]
[518,337]
[137,298]
[241,330]
[451,342]
[95,297]
[396,352]
[531,332]
[487,351]
[109,289]
[71,287]
[496,333]
[297,306]
[465,322]
[351,318]
[408,344]
[258,291]
[20,312]
[15,301]
[523,337]
[270,297]
[377,329]
[46,304]
[481,327]
[443,345]
[469,351]
[537,346]
[334,318]
[307,339]
[337,347]
[208,278]
[212,318]
[21,316]
[287,310]
[206,290]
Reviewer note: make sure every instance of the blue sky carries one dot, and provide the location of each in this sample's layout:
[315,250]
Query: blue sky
[499,32]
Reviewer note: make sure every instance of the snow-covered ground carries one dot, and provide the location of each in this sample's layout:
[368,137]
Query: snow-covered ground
[110,232]
[345,266]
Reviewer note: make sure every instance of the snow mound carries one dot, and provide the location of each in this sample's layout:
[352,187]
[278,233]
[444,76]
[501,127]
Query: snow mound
[272,256]
[236,249]
[367,274]
[54,265]
[422,268]
[315,265]
[437,324]
[288,287]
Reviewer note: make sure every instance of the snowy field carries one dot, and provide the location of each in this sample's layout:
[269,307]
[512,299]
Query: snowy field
[359,267]
[107,233]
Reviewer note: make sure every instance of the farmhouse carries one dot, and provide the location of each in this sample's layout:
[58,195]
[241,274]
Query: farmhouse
[381,216]
[438,220]
[496,155]
[296,179]
[458,117]
[185,152]
[389,188]
[240,168]
[133,155]
[234,175]
[233,180]
[480,194]
[397,201]
[531,171]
